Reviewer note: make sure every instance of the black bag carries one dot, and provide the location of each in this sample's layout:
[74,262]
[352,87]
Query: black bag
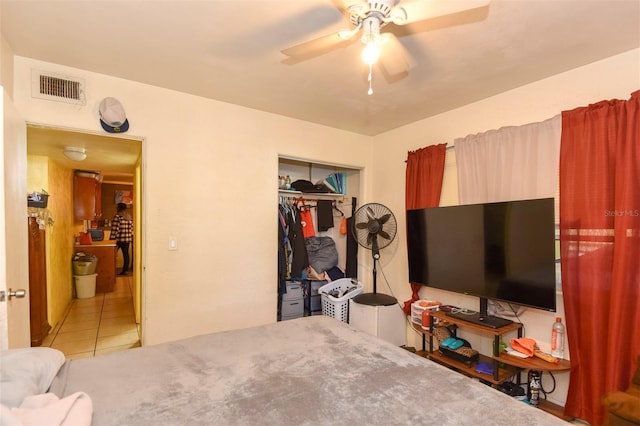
[464,354]
[322,253]
[308,187]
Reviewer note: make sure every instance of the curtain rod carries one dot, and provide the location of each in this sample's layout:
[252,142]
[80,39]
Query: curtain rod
[446,149]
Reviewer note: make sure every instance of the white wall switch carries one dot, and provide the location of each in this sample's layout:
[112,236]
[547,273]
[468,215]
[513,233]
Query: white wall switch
[173,243]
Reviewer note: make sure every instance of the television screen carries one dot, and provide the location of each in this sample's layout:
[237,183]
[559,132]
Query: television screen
[501,251]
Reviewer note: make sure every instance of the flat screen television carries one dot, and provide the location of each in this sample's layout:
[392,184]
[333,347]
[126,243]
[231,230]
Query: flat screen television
[500,251]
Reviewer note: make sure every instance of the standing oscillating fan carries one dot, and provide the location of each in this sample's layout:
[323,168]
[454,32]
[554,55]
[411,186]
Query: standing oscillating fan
[375,228]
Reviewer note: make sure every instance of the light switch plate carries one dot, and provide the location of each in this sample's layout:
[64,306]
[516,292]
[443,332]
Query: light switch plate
[173,243]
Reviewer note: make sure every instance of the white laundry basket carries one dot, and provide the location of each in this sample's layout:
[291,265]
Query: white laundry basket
[85,285]
[335,297]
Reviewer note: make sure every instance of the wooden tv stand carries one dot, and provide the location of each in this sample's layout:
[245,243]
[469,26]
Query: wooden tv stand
[504,366]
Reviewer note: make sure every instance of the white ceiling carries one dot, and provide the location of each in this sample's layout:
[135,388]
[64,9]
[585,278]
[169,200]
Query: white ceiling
[231,51]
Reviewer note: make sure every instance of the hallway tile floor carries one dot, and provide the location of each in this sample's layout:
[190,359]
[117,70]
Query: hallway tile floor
[98,325]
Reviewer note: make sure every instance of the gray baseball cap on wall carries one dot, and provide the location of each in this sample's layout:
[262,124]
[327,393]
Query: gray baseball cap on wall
[112,116]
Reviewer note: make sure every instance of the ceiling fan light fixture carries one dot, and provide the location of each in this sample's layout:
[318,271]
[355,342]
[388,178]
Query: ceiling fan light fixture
[371,53]
[75,153]
[371,39]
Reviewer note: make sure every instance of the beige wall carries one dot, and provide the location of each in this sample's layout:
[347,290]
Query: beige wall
[209,178]
[6,66]
[616,77]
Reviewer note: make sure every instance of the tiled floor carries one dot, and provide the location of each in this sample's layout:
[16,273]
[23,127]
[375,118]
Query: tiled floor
[98,325]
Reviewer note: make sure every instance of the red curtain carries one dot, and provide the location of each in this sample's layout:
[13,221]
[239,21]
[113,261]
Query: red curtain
[600,249]
[425,170]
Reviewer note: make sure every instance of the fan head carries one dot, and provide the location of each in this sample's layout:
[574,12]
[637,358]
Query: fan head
[374,227]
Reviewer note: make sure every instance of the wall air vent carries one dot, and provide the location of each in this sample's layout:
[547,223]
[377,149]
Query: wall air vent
[58,88]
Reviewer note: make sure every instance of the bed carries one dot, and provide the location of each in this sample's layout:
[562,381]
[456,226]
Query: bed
[309,371]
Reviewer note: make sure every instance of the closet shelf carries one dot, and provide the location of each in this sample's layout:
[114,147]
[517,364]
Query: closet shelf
[311,195]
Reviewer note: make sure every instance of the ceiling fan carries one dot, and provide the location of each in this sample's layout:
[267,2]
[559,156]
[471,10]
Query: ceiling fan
[368,17]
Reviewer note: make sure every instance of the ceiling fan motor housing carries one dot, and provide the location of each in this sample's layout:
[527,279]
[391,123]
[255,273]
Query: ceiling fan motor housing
[380,10]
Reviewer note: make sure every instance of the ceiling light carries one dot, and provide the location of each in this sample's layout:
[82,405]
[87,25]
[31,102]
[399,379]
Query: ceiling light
[371,39]
[371,53]
[75,153]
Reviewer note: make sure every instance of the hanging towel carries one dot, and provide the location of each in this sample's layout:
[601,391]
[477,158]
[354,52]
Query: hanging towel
[325,214]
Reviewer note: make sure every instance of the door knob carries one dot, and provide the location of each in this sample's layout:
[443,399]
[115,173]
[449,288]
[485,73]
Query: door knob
[12,293]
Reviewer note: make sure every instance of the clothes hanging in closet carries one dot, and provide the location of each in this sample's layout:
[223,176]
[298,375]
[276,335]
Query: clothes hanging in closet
[284,253]
[351,269]
[300,258]
[293,237]
[324,214]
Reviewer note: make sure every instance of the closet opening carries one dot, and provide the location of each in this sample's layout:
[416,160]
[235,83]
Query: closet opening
[315,246]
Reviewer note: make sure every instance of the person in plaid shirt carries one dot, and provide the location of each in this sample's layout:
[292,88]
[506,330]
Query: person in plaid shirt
[122,232]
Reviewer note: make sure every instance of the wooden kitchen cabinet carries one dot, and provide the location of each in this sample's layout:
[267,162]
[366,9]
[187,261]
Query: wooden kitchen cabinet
[106,267]
[87,196]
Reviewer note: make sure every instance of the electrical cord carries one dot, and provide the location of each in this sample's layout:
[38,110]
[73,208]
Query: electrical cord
[545,392]
[518,319]
[408,318]
[389,286]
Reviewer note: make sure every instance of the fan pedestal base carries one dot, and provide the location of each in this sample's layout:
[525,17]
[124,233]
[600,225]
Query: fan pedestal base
[375,299]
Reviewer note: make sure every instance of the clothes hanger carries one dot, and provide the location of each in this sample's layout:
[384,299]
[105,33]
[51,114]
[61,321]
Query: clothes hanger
[334,205]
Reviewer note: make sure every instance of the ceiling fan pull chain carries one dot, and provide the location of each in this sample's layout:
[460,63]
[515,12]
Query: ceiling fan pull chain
[370,91]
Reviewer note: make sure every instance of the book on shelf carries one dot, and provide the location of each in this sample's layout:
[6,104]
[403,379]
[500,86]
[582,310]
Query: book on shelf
[343,182]
[331,181]
[335,182]
[328,184]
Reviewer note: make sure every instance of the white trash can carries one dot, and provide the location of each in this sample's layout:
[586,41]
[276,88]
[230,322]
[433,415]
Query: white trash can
[85,285]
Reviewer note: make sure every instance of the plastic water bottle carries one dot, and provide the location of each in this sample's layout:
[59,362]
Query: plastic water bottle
[557,339]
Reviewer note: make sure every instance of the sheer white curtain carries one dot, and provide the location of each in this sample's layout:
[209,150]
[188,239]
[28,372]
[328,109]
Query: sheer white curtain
[511,163]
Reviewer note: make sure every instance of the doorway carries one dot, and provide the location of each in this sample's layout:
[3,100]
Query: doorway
[117,159]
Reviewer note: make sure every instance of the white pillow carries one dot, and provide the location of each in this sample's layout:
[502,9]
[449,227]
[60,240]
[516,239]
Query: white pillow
[25,372]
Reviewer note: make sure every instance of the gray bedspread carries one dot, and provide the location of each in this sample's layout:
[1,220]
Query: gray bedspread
[309,371]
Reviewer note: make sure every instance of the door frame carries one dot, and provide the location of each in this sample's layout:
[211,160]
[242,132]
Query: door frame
[138,245]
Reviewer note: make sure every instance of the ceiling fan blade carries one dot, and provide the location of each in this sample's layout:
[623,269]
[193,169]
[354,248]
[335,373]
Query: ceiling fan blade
[362,225]
[348,34]
[344,5]
[384,234]
[394,58]
[420,10]
[316,47]
[349,7]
